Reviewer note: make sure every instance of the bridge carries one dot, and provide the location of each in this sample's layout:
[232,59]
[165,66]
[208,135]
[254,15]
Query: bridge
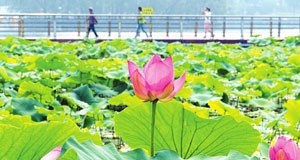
[188,28]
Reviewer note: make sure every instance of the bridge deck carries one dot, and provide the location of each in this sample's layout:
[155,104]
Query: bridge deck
[188,37]
[160,27]
[200,41]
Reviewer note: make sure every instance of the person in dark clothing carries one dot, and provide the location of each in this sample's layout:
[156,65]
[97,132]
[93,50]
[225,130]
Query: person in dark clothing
[92,21]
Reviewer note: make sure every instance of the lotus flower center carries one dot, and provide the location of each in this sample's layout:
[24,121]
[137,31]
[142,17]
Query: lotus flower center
[281,155]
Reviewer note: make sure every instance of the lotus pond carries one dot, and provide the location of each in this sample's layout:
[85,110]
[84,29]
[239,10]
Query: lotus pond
[78,101]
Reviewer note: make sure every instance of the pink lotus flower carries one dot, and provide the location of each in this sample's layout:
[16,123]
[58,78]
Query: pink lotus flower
[284,150]
[53,155]
[156,81]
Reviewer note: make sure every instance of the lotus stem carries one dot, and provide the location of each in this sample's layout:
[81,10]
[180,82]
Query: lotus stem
[83,123]
[153,125]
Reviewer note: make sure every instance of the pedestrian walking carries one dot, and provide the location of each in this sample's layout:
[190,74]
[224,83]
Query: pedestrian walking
[92,21]
[207,21]
[141,22]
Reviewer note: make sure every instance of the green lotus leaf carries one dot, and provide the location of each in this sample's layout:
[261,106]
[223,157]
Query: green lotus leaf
[198,68]
[123,72]
[184,93]
[25,106]
[1,102]
[36,91]
[263,103]
[264,150]
[202,94]
[203,99]
[103,90]
[3,75]
[51,62]
[182,131]
[125,99]
[224,109]
[293,131]
[83,93]
[233,155]
[88,150]
[294,60]
[293,113]
[23,139]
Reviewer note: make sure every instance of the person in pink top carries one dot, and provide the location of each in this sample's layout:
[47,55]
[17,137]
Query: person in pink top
[207,20]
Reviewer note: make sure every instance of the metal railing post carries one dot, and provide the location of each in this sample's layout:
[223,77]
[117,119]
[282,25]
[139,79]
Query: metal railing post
[86,27]
[22,26]
[78,27]
[119,27]
[271,27]
[242,27]
[196,29]
[54,27]
[181,27]
[19,26]
[251,27]
[279,26]
[299,25]
[49,25]
[224,26]
[109,27]
[150,26]
[167,27]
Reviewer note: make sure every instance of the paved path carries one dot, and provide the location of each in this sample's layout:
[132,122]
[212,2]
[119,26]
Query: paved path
[231,35]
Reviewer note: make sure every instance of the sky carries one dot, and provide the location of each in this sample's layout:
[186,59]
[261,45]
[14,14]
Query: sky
[190,7]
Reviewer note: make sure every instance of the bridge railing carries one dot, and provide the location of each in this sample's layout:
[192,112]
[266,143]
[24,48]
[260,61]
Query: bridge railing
[157,26]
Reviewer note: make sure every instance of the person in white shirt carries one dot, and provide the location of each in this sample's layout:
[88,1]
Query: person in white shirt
[207,20]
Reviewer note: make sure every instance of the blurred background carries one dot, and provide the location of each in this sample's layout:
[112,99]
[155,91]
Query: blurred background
[194,7]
